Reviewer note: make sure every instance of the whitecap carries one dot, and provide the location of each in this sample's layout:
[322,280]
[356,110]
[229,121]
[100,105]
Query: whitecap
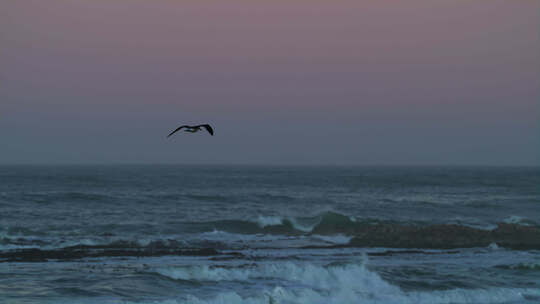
[264,221]
[337,239]
[516,219]
[317,284]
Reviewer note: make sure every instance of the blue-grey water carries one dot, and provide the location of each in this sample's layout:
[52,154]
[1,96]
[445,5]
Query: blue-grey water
[226,234]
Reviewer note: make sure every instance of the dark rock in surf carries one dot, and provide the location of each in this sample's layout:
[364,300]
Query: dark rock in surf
[511,236]
[516,236]
[83,251]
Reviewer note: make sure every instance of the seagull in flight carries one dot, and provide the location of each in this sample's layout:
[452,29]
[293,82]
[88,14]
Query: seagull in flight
[193,129]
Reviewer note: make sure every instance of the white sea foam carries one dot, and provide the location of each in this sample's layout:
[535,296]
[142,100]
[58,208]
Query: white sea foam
[309,296]
[318,276]
[281,295]
[264,221]
[351,283]
[493,246]
[516,219]
[473,223]
[334,239]
[13,246]
[304,227]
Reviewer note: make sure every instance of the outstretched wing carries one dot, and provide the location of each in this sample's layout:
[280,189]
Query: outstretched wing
[208,128]
[177,129]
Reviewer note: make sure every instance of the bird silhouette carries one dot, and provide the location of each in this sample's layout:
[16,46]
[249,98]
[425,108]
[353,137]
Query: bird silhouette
[193,129]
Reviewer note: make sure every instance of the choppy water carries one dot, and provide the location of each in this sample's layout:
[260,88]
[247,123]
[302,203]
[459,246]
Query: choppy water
[182,234]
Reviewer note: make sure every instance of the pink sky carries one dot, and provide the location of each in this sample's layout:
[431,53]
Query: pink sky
[395,82]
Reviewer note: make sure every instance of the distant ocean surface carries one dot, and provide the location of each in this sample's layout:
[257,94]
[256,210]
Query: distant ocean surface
[243,234]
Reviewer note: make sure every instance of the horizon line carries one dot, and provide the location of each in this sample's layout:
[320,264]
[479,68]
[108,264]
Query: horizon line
[257,164]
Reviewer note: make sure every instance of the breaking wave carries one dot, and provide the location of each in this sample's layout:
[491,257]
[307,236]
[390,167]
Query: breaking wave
[350,283]
[264,221]
[516,219]
[332,222]
[374,233]
[326,229]
[321,224]
[313,275]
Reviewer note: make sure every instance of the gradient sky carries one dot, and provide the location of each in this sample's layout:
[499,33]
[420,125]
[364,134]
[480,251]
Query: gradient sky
[283,82]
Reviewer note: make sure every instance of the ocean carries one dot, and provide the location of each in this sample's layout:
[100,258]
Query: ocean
[247,234]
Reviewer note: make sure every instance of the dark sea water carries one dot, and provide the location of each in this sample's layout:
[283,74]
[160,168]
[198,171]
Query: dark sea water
[195,234]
